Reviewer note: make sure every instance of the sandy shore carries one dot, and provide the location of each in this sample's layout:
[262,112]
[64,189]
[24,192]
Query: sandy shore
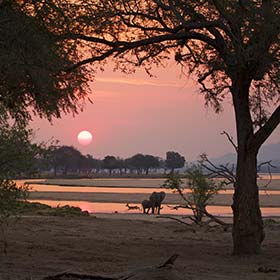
[140,183]
[40,246]
[220,199]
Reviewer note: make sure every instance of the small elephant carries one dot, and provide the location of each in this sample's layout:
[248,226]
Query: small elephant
[146,205]
[156,198]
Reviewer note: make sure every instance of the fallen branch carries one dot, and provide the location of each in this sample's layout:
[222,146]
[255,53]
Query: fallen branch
[162,271]
[78,276]
[205,212]
[175,219]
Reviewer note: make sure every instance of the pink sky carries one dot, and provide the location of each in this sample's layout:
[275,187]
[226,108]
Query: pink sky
[136,113]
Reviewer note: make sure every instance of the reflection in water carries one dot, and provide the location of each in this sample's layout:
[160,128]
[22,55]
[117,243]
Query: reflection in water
[57,188]
[96,207]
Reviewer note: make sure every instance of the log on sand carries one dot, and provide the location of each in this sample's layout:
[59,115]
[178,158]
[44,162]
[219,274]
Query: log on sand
[165,271]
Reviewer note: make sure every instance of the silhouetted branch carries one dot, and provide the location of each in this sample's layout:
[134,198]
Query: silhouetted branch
[222,171]
[175,219]
[150,272]
[230,139]
[269,166]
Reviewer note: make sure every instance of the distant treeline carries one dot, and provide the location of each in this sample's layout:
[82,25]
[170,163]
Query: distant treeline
[67,161]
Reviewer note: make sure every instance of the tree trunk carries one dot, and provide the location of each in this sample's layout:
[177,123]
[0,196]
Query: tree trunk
[247,229]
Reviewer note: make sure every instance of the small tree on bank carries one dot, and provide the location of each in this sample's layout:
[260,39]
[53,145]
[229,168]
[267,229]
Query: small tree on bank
[10,193]
[202,190]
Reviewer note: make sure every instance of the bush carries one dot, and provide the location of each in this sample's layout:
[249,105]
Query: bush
[10,194]
[202,190]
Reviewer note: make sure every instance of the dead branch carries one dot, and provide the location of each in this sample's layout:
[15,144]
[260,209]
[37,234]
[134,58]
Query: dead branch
[205,212]
[230,139]
[217,220]
[169,261]
[78,276]
[175,219]
[269,166]
[218,171]
[162,271]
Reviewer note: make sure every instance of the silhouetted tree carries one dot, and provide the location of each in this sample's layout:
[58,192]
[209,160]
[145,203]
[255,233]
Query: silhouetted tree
[110,163]
[33,66]
[137,162]
[150,162]
[174,160]
[86,164]
[17,152]
[65,158]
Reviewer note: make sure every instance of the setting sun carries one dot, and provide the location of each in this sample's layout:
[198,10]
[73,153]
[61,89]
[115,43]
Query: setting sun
[84,137]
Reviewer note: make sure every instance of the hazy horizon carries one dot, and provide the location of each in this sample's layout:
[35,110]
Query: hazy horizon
[136,113]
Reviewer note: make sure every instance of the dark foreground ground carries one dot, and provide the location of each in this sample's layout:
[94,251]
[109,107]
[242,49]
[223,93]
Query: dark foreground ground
[41,245]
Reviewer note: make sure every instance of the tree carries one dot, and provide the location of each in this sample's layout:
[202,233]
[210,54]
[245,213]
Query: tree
[202,190]
[137,162]
[174,160]
[10,193]
[33,67]
[17,152]
[64,158]
[110,163]
[150,162]
[231,47]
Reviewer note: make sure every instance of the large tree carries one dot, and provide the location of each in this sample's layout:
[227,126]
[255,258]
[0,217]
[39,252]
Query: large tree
[174,160]
[33,67]
[231,47]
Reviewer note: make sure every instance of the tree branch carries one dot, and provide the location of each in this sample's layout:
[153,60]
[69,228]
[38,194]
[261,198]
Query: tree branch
[230,139]
[265,131]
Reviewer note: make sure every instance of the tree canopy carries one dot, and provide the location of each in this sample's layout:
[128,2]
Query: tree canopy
[17,152]
[33,67]
[174,160]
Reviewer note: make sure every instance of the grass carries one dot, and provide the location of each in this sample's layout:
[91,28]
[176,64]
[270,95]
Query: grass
[35,208]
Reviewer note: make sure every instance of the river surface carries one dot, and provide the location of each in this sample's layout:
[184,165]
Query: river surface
[123,187]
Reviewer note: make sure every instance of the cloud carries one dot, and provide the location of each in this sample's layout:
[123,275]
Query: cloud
[139,82]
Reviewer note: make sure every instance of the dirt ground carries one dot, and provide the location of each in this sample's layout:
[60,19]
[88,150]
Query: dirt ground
[41,246]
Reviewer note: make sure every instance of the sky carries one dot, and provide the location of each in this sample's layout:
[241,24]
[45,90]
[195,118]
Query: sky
[137,114]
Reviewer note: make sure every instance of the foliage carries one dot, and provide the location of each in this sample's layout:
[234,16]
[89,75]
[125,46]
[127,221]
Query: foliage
[110,163]
[17,152]
[174,160]
[10,193]
[142,162]
[202,190]
[65,158]
[33,66]
[35,208]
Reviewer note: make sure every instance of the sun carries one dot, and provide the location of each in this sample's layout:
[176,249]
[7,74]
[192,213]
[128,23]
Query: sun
[84,137]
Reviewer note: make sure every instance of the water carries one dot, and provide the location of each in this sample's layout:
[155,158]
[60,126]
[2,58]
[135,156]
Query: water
[81,189]
[123,190]
[101,207]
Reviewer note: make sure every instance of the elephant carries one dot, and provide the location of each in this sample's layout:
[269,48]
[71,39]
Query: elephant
[156,198]
[146,204]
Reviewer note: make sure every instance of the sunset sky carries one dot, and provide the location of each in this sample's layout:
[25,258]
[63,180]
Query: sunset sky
[136,113]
